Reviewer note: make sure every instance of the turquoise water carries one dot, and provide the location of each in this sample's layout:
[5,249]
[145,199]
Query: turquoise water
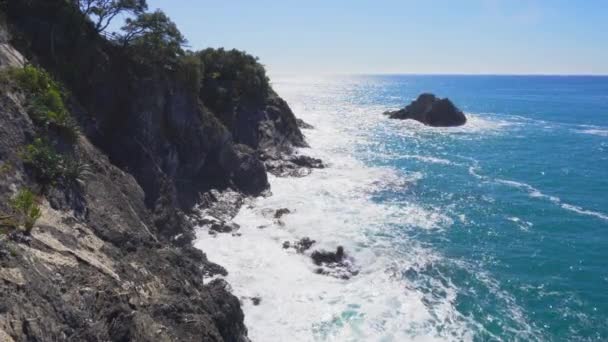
[494,231]
[527,198]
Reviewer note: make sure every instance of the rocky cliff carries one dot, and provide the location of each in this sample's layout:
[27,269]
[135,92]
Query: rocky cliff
[109,257]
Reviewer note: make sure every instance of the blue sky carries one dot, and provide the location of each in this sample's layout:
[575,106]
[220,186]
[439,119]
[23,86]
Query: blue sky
[407,36]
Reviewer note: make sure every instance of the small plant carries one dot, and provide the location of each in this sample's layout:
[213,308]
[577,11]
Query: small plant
[26,208]
[47,163]
[75,171]
[6,168]
[45,98]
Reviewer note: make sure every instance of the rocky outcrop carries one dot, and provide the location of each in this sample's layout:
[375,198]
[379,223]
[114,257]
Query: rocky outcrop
[98,265]
[291,165]
[336,264]
[431,111]
[112,259]
[301,245]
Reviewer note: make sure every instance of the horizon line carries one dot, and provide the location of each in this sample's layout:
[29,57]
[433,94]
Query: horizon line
[438,74]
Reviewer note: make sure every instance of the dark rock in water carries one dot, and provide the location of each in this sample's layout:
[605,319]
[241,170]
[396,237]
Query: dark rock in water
[336,264]
[211,269]
[324,257]
[300,246]
[303,125]
[279,213]
[223,227]
[292,165]
[431,111]
[256,300]
[306,161]
[304,244]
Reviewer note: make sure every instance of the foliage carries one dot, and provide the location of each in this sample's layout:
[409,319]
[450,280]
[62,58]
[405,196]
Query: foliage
[50,166]
[190,72]
[153,37]
[47,163]
[102,12]
[75,171]
[46,104]
[232,75]
[26,208]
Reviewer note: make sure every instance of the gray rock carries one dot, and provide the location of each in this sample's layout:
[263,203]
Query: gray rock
[431,111]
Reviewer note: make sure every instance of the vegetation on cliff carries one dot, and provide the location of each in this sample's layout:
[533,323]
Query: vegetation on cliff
[152,128]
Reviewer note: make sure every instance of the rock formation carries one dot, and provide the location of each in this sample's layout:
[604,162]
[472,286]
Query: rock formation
[110,257]
[431,111]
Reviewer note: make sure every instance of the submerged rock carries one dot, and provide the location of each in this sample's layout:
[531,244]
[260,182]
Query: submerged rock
[300,246]
[292,165]
[431,111]
[279,213]
[336,264]
[303,124]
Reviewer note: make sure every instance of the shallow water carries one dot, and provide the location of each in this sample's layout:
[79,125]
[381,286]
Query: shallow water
[497,230]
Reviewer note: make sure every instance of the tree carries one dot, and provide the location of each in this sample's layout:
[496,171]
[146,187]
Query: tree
[153,34]
[102,12]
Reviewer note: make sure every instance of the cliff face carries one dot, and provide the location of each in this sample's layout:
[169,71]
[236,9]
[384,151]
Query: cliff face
[110,258]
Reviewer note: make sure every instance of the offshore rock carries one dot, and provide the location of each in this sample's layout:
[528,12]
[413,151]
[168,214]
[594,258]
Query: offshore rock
[336,264]
[431,111]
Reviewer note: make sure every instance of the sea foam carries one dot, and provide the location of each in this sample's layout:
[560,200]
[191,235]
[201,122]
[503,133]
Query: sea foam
[334,206]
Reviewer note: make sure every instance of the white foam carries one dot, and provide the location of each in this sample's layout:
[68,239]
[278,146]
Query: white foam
[594,131]
[535,193]
[335,207]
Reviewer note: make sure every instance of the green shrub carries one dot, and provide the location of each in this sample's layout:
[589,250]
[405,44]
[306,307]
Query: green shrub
[45,99]
[31,79]
[26,208]
[75,171]
[232,75]
[190,72]
[47,163]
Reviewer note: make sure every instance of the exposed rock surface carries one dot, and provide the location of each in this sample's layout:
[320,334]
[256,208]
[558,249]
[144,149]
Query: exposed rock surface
[292,165]
[303,124]
[431,111]
[301,245]
[336,264]
[112,260]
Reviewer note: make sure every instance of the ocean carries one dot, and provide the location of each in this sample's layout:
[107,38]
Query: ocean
[493,231]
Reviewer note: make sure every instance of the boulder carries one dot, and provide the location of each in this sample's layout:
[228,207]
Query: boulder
[336,264]
[303,124]
[300,246]
[280,212]
[431,111]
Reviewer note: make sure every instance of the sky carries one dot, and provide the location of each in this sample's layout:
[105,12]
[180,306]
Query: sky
[403,36]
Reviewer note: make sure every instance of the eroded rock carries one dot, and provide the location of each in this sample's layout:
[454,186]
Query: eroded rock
[336,264]
[431,111]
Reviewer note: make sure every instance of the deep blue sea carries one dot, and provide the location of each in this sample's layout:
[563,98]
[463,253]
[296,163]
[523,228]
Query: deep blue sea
[494,231]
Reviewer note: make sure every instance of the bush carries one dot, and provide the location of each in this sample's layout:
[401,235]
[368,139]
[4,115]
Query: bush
[26,208]
[233,74]
[75,171]
[45,99]
[47,163]
[190,72]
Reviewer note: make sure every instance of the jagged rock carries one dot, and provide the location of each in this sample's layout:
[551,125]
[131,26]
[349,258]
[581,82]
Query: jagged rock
[300,246]
[249,173]
[292,165]
[280,212]
[431,111]
[215,205]
[303,125]
[336,264]
[223,227]
[325,257]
